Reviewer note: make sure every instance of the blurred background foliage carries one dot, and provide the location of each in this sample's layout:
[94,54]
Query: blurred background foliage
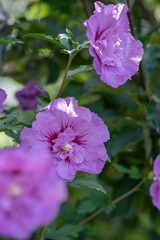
[134,124]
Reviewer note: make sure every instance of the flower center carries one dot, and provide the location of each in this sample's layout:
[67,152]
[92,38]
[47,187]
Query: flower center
[117,44]
[67,147]
[15,189]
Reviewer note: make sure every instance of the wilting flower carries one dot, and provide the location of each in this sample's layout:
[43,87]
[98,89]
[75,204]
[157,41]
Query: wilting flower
[3,97]
[72,136]
[27,96]
[116,53]
[31,193]
[155,187]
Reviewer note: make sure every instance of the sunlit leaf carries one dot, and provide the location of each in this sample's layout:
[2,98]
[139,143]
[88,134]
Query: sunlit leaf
[46,38]
[81,68]
[10,40]
[85,181]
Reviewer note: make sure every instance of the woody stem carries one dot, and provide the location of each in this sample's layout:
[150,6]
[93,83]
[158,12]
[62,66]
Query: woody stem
[141,74]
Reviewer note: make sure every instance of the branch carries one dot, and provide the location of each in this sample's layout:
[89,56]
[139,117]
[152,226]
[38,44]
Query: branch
[130,18]
[117,200]
[86,8]
[65,75]
[141,75]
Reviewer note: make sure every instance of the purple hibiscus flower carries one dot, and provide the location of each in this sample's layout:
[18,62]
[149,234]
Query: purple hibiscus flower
[116,53]
[155,187]
[27,96]
[72,136]
[31,193]
[3,97]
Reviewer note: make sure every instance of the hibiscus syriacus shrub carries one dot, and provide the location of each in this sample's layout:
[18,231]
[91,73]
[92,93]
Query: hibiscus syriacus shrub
[77,138]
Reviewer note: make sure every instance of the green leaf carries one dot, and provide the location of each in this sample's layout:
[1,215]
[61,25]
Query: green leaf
[94,201]
[121,168]
[46,38]
[38,10]
[78,47]
[147,140]
[155,37]
[64,232]
[81,68]
[153,113]
[133,171]
[43,101]
[64,39]
[121,138]
[85,181]
[109,207]
[82,46]
[10,40]
[109,159]
[70,34]
[87,206]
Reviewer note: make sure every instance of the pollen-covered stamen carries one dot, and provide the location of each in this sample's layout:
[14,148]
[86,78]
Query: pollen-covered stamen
[15,189]
[67,147]
[117,44]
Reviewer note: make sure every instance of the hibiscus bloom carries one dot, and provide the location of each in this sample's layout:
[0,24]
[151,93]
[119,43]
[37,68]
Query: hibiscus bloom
[116,53]
[27,96]
[72,136]
[3,97]
[31,193]
[155,187]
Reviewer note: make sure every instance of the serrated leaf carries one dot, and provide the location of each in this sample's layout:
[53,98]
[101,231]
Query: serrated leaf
[85,181]
[65,232]
[10,40]
[81,68]
[46,38]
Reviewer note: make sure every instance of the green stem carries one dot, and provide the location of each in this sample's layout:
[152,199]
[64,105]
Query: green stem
[42,233]
[65,75]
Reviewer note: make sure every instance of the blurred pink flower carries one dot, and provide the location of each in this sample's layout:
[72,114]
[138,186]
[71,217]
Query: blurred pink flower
[31,193]
[72,136]
[3,97]
[155,187]
[116,53]
[27,96]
